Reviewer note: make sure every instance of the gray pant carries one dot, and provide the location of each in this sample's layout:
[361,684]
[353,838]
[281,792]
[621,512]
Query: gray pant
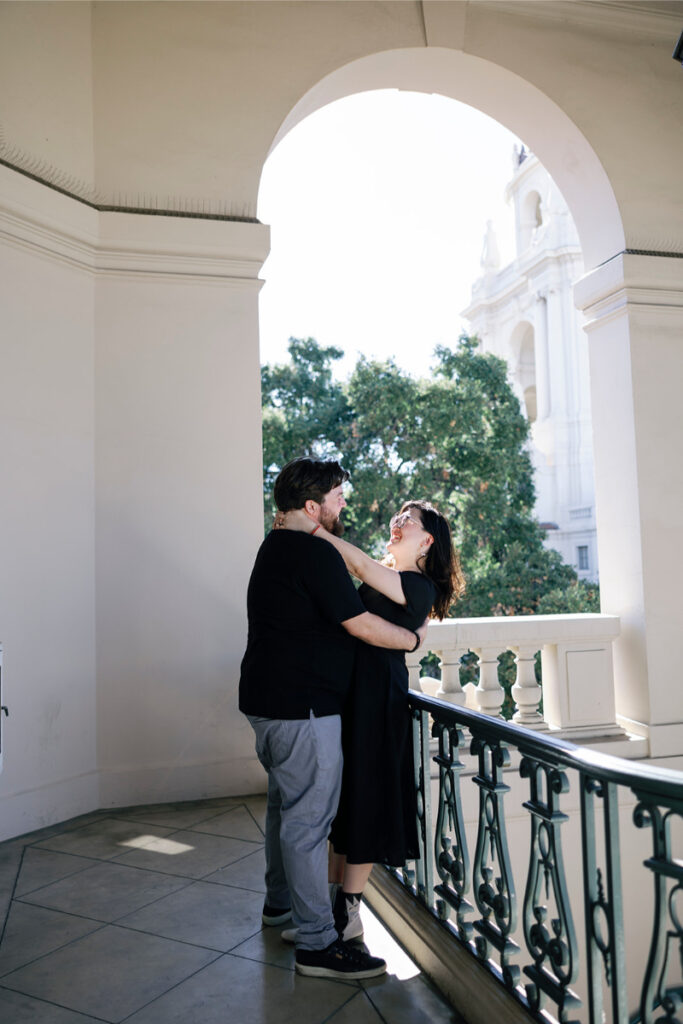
[303,760]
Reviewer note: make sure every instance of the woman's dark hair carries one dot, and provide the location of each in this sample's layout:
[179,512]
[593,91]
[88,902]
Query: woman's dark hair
[305,479]
[442,564]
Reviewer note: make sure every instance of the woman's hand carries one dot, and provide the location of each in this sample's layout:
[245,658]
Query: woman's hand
[295,519]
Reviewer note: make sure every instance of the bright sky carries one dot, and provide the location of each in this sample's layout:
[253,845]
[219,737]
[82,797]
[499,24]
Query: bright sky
[378,206]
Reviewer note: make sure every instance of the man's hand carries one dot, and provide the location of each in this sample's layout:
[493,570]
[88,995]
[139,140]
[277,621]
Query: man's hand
[295,519]
[378,632]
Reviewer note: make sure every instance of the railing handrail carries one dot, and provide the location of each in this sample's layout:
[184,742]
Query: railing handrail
[544,628]
[648,779]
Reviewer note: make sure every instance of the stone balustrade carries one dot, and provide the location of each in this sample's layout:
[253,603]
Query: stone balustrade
[576,698]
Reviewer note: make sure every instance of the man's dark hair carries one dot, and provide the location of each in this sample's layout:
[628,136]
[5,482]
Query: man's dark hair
[306,479]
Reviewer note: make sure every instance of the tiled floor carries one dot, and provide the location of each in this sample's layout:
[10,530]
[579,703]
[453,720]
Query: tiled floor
[152,915]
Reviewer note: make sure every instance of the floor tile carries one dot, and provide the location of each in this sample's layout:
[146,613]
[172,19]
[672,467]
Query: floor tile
[59,827]
[247,873]
[178,816]
[10,860]
[412,1001]
[104,839]
[32,932]
[237,822]
[197,854]
[359,1010]
[256,805]
[208,806]
[168,929]
[106,892]
[268,948]
[42,867]
[203,914]
[16,1008]
[109,974]
[240,990]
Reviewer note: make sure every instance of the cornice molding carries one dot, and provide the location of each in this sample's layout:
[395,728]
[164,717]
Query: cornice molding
[81,192]
[631,280]
[111,243]
[654,18]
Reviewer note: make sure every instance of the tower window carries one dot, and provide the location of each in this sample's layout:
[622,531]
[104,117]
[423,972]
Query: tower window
[582,556]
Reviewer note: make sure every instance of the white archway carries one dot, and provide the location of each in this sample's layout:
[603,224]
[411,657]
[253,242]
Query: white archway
[508,98]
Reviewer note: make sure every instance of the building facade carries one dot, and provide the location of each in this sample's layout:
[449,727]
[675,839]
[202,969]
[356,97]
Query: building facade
[525,314]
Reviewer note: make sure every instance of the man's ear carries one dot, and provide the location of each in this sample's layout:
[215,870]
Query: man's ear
[312,508]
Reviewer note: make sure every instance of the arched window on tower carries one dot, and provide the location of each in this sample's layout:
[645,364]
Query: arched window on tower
[531,218]
[524,366]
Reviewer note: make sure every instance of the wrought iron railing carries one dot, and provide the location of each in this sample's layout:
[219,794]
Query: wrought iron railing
[468,880]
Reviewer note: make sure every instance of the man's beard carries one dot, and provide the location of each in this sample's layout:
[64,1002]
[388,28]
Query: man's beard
[332,523]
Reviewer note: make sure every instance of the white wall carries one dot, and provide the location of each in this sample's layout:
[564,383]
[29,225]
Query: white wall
[178,503]
[47,555]
[131,486]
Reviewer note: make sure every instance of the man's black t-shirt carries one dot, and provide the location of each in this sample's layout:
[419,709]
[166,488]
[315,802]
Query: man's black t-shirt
[298,658]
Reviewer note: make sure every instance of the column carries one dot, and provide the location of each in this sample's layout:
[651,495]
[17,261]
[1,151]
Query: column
[634,320]
[179,505]
[541,354]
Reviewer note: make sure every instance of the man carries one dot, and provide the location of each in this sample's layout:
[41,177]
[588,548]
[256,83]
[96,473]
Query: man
[304,614]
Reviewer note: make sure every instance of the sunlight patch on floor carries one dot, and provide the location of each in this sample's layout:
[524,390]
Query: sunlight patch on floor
[381,943]
[157,844]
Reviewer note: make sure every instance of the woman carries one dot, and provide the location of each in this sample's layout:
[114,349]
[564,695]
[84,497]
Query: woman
[376,820]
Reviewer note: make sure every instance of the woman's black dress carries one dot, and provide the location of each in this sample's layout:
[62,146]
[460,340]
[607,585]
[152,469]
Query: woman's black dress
[376,820]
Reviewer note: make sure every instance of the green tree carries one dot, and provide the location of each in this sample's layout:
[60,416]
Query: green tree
[305,412]
[457,438]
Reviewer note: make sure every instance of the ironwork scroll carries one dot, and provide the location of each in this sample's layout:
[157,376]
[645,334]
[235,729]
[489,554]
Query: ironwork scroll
[450,841]
[494,889]
[662,995]
[554,950]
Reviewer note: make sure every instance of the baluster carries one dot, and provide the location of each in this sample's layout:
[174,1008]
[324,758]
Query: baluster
[667,930]
[413,659]
[555,956]
[450,688]
[603,912]
[490,694]
[424,869]
[450,840]
[494,892]
[526,692]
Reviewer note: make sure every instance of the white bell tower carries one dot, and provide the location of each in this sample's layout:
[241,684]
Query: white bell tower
[524,312]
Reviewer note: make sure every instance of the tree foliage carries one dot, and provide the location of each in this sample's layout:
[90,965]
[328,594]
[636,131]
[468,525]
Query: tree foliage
[305,412]
[457,438]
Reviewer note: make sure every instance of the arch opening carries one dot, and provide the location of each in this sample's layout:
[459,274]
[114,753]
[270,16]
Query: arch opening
[509,99]
[559,146]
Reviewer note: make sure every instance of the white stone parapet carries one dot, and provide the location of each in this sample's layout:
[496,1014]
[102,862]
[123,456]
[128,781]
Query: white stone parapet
[577,689]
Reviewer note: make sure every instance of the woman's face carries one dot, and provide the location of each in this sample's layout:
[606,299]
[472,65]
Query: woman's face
[407,534]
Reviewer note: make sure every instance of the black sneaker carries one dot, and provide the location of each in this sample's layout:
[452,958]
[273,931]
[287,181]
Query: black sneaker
[275,915]
[338,961]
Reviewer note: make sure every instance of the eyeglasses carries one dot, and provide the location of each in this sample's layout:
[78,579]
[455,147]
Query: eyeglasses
[402,518]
